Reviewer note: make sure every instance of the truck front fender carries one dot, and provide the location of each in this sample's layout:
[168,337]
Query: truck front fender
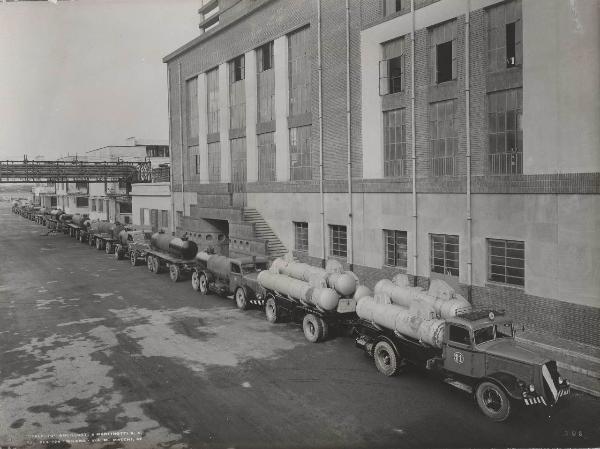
[508,382]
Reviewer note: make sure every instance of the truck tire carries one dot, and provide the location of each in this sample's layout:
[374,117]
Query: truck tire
[150,262]
[118,254]
[493,401]
[156,267]
[386,359]
[271,310]
[325,329]
[240,298]
[98,244]
[174,273]
[133,258]
[196,282]
[312,327]
[108,247]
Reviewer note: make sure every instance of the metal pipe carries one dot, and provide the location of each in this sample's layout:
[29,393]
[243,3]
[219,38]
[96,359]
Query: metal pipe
[349,140]
[181,137]
[172,221]
[320,71]
[468,125]
[413,140]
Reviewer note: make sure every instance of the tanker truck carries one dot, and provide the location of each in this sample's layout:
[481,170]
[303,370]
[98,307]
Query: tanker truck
[231,277]
[132,244]
[474,351]
[52,219]
[103,235]
[172,253]
[76,225]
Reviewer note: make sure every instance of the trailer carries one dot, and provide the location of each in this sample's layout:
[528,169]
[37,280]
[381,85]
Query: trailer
[317,324]
[475,352]
[104,235]
[177,255]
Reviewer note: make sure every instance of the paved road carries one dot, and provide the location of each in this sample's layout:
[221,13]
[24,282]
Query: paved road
[91,345]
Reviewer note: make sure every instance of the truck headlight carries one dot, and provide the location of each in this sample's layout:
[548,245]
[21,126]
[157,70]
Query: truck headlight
[560,380]
[531,388]
[259,296]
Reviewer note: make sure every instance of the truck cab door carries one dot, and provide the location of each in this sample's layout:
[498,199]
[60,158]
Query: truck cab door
[458,351]
[235,276]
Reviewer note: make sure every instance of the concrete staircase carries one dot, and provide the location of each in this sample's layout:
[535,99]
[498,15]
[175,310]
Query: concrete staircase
[262,230]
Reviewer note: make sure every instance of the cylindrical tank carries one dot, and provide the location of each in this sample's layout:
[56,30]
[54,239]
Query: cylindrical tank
[404,296]
[219,264]
[182,249]
[80,220]
[399,319]
[104,227]
[362,290]
[64,218]
[56,213]
[343,283]
[324,298]
[43,210]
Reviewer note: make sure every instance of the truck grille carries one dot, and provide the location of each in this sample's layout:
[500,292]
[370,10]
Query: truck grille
[550,380]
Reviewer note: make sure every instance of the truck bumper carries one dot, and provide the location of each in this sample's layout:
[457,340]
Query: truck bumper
[534,400]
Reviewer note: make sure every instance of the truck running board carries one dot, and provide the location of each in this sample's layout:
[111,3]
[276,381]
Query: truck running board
[459,385]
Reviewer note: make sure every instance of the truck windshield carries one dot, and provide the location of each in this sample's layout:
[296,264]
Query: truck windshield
[493,332]
[253,268]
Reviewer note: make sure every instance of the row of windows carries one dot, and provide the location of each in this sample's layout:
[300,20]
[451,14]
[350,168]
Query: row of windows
[506,258]
[505,136]
[504,47]
[299,78]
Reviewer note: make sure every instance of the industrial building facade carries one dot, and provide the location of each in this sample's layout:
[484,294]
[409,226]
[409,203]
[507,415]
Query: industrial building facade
[448,139]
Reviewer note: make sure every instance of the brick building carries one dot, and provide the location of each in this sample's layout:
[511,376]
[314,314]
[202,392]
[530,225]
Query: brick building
[455,139]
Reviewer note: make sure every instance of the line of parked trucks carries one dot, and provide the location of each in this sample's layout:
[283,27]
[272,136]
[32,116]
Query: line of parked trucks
[396,325]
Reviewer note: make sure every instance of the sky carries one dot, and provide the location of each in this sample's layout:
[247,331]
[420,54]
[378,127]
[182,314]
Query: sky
[83,74]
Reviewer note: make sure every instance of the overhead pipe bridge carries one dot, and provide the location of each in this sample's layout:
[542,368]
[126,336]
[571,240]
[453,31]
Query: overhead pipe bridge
[74,171]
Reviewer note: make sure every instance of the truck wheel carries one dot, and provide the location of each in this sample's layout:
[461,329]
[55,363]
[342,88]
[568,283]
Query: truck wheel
[156,267]
[174,273]
[385,358]
[118,254]
[133,258]
[493,401]
[150,262]
[203,287]
[108,248]
[196,280]
[312,327]
[240,299]
[325,329]
[272,311]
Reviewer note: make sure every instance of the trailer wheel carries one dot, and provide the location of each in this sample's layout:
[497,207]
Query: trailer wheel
[174,273]
[240,299]
[386,359]
[98,244]
[271,310]
[108,248]
[156,267]
[325,329]
[493,401]
[312,327]
[150,262]
[118,252]
[196,280]
[133,258]
[203,280]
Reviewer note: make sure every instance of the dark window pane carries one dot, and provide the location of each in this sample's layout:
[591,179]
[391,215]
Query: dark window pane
[444,62]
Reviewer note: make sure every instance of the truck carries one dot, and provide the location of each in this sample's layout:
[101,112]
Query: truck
[77,225]
[132,244]
[319,309]
[175,254]
[103,235]
[230,276]
[478,354]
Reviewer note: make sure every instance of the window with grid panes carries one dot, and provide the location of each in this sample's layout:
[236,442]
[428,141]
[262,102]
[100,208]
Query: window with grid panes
[238,160]
[337,241]
[444,254]
[81,201]
[52,201]
[299,71]
[505,135]
[266,156]
[192,118]
[300,157]
[237,93]
[300,236]
[506,262]
[442,52]
[505,36]
[395,248]
[443,143]
[391,68]
[100,205]
[212,101]
[394,143]
[214,162]
[164,219]
[393,6]
[265,83]
[93,206]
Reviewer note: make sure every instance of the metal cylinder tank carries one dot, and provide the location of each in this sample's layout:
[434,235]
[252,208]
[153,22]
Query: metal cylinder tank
[79,220]
[64,218]
[180,248]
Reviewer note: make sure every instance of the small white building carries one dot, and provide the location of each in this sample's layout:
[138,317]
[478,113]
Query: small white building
[151,206]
